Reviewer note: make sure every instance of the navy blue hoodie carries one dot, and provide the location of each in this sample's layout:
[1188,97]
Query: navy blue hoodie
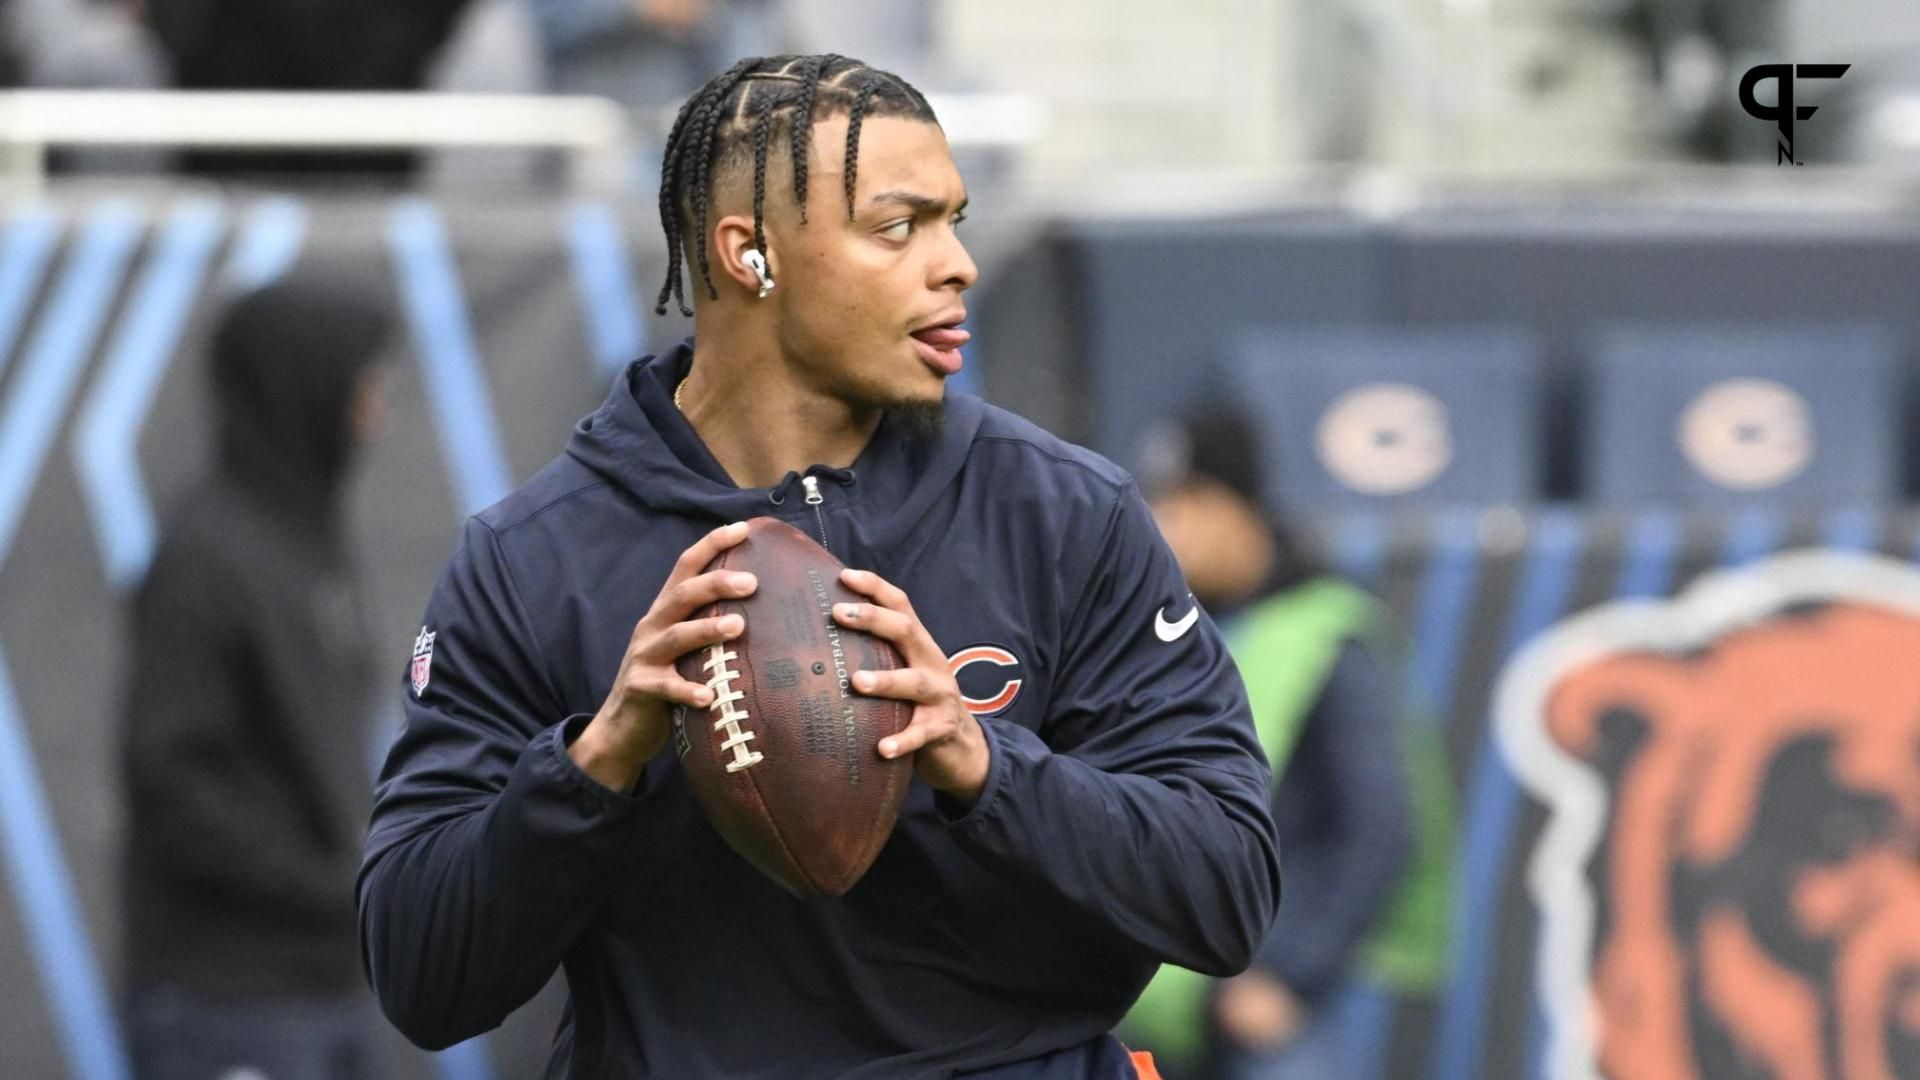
[1124,821]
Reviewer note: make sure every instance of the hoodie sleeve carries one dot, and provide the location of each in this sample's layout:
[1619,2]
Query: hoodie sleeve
[489,850]
[1143,799]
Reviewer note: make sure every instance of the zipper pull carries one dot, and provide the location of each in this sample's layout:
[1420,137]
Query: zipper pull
[814,499]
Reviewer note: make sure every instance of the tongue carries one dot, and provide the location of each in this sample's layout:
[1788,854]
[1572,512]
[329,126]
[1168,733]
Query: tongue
[944,337]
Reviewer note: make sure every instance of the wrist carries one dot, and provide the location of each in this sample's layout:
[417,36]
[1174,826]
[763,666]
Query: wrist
[607,752]
[968,781]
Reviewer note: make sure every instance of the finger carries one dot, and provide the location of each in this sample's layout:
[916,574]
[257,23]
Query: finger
[903,628]
[927,727]
[667,685]
[876,620]
[693,595]
[682,638]
[878,589]
[695,559]
[905,684]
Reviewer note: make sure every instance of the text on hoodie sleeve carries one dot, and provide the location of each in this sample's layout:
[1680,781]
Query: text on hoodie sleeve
[489,849]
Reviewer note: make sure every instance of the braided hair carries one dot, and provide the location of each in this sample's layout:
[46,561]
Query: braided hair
[736,118]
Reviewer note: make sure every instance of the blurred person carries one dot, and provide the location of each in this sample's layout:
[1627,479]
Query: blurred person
[247,715]
[1337,72]
[1694,53]
[84,45]
[1107,814]
[895,35]
[374,45]
[12,59]
[494,49]
[81,44]
[648,54]
[1363,838]
[1347,58]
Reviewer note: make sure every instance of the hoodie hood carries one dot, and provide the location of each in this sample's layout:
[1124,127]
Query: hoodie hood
[642,444]
[286,360]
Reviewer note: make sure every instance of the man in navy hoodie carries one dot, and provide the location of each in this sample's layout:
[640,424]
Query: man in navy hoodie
[1090,798]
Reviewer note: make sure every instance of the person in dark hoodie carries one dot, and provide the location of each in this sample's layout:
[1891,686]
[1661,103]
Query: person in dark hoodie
[1360,789]
[301,45]
[246,716]
[1089,800]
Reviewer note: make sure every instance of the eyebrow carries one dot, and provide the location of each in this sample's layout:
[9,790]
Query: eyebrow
[921,204]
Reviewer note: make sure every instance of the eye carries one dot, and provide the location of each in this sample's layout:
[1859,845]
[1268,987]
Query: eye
[899,230]
[959,219]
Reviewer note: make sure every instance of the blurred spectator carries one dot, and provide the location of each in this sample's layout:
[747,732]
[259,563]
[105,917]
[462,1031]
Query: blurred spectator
[1348,59]
[12,66]
[80,44]
[301,45]
[493,50]
[1363,839]
[246,718]
[649,54]
[892,35]
[1696,52]
[1336,65]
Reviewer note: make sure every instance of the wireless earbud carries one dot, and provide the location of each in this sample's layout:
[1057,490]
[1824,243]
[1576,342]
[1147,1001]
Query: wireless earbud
[758,264]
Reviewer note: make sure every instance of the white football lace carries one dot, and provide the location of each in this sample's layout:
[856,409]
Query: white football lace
[730,715]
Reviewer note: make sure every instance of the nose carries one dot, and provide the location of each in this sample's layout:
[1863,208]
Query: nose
[954,268]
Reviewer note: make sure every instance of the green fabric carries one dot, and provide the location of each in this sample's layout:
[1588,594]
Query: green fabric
[1286,647]
[1407,950]
[1170,1019]
[1304,629]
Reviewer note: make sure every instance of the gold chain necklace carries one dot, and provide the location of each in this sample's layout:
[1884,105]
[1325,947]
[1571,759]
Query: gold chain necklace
[678,389]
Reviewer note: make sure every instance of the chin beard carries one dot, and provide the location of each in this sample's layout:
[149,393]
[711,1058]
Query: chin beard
[919,419]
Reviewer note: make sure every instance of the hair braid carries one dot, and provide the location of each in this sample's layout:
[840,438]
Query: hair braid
[679,190]
[670,217]
[728,124]
[801,131]
[762,128]
[908,91]
[856,114]
[703,165]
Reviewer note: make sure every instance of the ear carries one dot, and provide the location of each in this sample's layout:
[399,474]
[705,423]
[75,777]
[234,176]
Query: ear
[732,239]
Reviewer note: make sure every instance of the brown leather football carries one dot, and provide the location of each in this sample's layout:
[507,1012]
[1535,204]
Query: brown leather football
[785,761]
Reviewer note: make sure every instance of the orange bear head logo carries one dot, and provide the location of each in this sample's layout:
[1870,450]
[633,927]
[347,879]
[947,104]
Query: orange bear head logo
[1729,884]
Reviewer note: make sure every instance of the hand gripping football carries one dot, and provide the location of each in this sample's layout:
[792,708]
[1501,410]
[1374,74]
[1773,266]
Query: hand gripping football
[784,762]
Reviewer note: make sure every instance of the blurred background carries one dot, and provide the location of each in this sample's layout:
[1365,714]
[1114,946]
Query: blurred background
[1534,336]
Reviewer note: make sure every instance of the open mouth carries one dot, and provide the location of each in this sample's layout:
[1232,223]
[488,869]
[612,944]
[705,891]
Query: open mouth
[939,345]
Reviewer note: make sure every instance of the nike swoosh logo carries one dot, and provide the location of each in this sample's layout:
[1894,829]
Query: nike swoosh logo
[1174,631]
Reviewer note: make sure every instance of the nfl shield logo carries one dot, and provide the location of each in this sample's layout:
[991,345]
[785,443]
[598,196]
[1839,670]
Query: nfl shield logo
[422,660]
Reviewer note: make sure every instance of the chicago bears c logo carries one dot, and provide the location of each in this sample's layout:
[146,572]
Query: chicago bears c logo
[995,691]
